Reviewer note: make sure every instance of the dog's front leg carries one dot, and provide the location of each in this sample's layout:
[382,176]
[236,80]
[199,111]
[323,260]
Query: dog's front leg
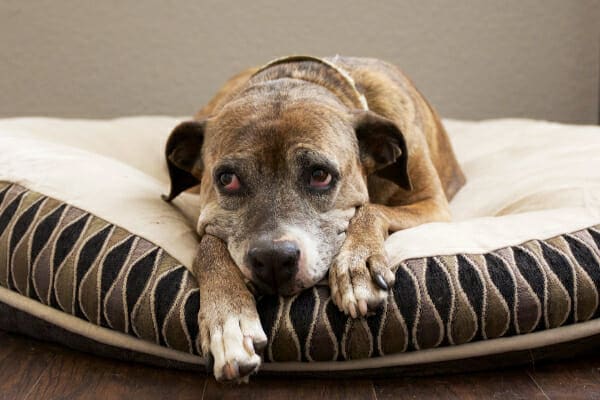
[360,275]
[230,328]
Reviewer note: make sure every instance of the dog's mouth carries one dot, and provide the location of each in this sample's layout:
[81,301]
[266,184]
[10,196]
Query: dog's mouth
[257,287]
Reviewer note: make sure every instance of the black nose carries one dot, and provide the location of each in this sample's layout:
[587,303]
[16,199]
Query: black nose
[274,263]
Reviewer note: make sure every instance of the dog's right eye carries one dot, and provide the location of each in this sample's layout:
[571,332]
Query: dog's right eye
[320,179]
[229,182]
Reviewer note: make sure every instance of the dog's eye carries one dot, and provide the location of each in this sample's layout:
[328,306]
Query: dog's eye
[320,179]
[229,181]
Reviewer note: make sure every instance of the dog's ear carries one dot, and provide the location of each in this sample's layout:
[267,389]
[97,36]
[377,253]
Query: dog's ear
[382,148]
[183,153]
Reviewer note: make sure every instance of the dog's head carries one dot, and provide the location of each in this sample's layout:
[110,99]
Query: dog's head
[282,170]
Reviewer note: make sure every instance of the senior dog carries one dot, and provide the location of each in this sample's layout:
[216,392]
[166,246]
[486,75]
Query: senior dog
[305,165]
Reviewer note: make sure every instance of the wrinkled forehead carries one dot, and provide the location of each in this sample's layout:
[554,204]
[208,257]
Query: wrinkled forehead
[276,128]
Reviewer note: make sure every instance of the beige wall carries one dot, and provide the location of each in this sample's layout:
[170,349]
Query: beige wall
[472,59]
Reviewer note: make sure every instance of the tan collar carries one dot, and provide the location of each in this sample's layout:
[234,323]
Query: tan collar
[359,97]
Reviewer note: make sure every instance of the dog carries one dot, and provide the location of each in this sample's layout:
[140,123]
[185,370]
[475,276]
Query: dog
[304,167]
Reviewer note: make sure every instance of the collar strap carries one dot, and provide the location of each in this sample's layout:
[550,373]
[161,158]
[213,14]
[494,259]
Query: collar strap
[359,98]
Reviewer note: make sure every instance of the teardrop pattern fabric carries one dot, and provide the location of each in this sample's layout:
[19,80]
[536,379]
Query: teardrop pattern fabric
[69,259]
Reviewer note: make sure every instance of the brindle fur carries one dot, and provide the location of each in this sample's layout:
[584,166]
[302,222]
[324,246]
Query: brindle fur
[255,123]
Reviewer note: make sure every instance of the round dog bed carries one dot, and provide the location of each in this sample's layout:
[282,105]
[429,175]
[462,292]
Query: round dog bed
[91,257]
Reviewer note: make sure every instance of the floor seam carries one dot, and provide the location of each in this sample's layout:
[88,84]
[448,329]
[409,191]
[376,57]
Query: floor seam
[37,381]
[204,387]
[537,385]
[373,389]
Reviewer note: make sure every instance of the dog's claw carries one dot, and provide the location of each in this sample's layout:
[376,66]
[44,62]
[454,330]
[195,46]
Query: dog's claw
[362,307]
[246,369]
[248,345]
[237,372]
[352,310]
[231,370]
[378,278]
[259,346]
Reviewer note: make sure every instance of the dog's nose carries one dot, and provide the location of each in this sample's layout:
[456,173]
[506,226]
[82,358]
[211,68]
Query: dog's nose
[274,262]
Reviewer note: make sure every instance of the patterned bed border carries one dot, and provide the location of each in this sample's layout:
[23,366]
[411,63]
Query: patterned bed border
[70,260]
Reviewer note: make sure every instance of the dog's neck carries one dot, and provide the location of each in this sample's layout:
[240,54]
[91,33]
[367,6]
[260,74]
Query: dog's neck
[318,71]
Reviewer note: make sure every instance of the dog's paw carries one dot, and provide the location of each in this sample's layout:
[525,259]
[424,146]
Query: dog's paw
[359,279]
[234,342]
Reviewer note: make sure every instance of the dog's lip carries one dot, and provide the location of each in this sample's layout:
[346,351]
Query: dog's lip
[264,288]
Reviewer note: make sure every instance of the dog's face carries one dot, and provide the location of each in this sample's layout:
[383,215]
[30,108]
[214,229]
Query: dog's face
[281,177]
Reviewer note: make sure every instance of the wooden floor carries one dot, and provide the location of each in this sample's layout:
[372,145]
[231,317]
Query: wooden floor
[30,369]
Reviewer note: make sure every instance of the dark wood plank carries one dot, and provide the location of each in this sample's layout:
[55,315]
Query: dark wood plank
[4,350]
[37,370]
[503,384]
[21,366]
[262,388]
[75,377]
[30,369]
[572,379]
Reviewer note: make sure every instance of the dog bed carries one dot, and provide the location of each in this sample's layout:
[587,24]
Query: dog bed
[91,257]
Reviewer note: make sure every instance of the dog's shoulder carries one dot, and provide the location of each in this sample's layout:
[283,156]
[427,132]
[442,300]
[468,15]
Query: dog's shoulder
[392,94]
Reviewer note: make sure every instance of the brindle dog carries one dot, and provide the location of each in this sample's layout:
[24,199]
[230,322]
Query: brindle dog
[305,166]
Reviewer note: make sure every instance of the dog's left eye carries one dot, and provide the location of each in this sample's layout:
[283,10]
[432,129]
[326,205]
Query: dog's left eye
[229,181]
[320,179]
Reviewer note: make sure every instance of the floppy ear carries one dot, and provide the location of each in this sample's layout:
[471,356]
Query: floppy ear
[183,153]
[382,148]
